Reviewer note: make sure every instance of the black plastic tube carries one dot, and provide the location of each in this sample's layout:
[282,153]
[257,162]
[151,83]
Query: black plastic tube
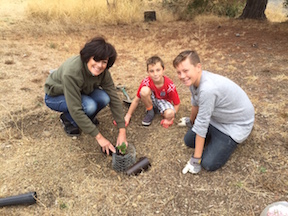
[142,165]
[22,199]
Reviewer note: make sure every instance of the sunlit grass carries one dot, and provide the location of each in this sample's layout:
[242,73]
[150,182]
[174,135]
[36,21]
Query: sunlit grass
[89,11]
[280,78]
[276,13]
[117,12]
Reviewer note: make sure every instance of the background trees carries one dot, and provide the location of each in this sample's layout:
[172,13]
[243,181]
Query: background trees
[254,9]
[244,9]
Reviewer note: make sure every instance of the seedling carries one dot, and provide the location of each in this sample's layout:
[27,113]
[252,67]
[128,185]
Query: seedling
[63,206]
[122,148]
[262,169]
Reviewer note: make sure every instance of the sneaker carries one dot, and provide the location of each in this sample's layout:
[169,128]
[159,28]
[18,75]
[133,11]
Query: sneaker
[148,118]
[72,131]
[64,120]
[69,128]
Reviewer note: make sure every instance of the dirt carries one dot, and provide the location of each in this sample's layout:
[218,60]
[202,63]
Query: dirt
[73,177]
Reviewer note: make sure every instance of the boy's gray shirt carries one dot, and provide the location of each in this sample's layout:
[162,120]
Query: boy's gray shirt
[223,104]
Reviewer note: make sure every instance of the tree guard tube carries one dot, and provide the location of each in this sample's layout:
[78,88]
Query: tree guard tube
[22,199]
[142,165]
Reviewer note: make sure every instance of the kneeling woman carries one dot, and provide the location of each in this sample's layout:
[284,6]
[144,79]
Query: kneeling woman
[81,87]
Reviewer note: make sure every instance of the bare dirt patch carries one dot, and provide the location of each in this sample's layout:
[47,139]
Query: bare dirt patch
[72,177]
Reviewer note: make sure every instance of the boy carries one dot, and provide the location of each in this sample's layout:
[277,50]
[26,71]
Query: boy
[156,92]
[222,114]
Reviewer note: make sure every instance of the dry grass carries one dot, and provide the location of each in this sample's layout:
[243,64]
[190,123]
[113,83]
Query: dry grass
[275,12]
[72,177]
[93,12]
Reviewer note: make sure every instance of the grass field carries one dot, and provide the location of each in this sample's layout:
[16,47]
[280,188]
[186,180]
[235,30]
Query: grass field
[73,177]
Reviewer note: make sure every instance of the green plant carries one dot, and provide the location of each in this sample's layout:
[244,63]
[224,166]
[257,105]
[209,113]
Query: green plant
[122,148]
[52,45]
[262,169]
[63,206]
[239,184]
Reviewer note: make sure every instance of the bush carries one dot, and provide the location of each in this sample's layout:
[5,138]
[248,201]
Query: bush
[191,8]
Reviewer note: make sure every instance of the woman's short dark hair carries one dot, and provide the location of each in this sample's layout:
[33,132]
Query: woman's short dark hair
[99,49]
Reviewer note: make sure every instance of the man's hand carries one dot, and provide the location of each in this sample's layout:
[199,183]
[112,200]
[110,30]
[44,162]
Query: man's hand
[193,166]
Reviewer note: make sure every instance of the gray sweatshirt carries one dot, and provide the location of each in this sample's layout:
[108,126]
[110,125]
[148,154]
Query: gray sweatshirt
[223,104]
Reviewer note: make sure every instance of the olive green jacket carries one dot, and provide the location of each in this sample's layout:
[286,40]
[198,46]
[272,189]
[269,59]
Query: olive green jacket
[72,79]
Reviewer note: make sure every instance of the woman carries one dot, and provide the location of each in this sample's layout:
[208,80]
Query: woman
[81,87]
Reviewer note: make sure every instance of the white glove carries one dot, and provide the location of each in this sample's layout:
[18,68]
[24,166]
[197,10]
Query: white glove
[185,122]
[192,166]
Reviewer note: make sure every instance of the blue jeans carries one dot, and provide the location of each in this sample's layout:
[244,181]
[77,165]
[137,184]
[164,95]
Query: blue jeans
[91,104]
[217,149]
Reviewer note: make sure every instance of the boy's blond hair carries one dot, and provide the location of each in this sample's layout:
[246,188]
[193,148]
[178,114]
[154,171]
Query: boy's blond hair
[153,60]
[191,54]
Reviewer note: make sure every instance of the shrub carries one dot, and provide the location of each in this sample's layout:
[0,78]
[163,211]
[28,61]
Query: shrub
[191,8]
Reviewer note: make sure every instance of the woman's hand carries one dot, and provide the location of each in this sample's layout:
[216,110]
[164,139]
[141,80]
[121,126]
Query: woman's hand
[105,144]
[121,137]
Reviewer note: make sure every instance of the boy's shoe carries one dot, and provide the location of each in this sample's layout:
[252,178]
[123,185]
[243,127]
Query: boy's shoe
[69,128]
[148,118]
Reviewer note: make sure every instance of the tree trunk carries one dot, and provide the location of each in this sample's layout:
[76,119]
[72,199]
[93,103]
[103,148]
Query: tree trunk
[254,9]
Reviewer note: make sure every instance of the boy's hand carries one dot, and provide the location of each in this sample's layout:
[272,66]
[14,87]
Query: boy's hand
[127,119]
[185,122]
[126,122]
[193,166]
[166,123]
